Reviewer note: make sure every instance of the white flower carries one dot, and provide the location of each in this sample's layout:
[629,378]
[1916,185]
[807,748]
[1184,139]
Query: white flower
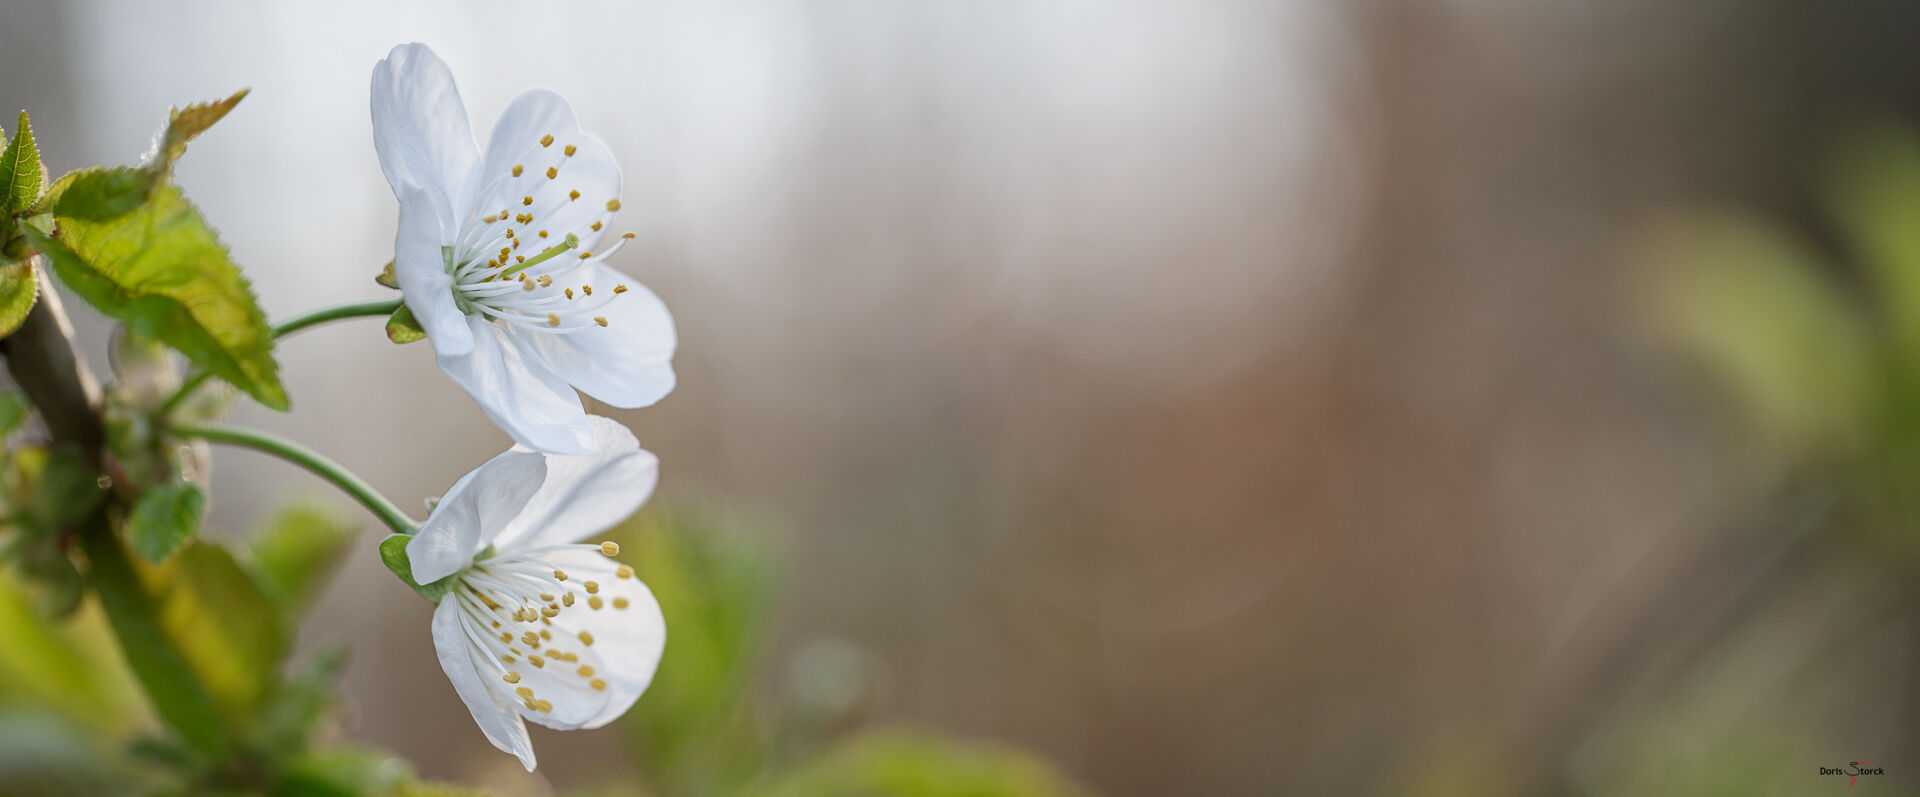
[538,625]
[500,256]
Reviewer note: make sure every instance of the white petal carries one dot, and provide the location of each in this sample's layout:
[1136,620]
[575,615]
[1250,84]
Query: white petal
[628,641]
[420,126]
[472,513]
[584,495]
[591,169]
[493,711]
[425,227]
[519,392]
[629,362]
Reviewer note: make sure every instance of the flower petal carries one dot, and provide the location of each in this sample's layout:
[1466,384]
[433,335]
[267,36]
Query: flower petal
[628,363]
[627,630]
[519,392]
[585,495]
[492,711]
[591,170]
[473,512]
[420,126]
[425,227]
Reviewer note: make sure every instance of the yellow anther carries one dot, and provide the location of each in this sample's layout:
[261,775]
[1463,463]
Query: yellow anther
[600,319]
[573,195]
[511,677]
[545,634]
[530,285]
[585,255]
[537,662]
[567,599]
[507,637]
[525,692]
[626,235]
[598,685]
[619,603]
[586,671]
[570,150]
[552,172]
[592,587]
[547,598]
[509,232]
[595,227]
[545,707]
[520,259]
[526,200]
[623,572]
[621,288]
[610,548]
[549,611]
[586,639]
[569,293]
[543,233]
[546,140]
[613,204]
[523,218]
[594,601]
[496,624]
[545,281]
[491,219]
[553,319]
[506,659]
[516,170]
[559,575]
[587,289]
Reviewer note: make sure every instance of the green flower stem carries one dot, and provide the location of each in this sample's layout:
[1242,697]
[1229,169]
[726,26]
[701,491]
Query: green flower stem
[361,310]
[313,462]
[382,307]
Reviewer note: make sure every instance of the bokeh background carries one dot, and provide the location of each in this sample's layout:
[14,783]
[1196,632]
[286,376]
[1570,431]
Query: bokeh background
[1389,397]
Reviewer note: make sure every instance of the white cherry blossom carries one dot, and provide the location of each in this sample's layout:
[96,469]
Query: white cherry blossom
[538,625]
[501,256]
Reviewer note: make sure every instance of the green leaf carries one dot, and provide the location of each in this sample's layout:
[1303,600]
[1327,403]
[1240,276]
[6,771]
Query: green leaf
[21,175]
[13,410]
[18,291]
[99,193]
[296,551]
[402,328]
[183,124]
[344,772]
[288,722]
[386,278]
[226,628]
[164,272]
[393,553]
[1874,192]
[163,519]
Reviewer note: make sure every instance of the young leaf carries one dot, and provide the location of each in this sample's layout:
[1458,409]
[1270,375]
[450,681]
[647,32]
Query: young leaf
[21,175]
[386,278]
[13,410]
[183,124]
[163,519]
[227,630]
[296,551]
[18,291]
[98,193]
[402,327]
[164,272]
[393,553]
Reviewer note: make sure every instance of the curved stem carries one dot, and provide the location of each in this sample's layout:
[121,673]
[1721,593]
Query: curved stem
[315,463]
[381,307]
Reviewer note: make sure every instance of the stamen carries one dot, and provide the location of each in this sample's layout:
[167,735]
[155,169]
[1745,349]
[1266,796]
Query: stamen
[600,319]
[567,599]
[560,575]
[517,169]
[570,150]
[552,172]
[587,289]
[592,587]
[511,677]
[610,548]
[593,601]
[598,685]
[526,200]
[621,288]
[586,638]
[585,671]
[619,603]
[537,662]
[595,227]
[553,320]
[626,235]
[613,204]
[546,140]
[573,195]
[623,572]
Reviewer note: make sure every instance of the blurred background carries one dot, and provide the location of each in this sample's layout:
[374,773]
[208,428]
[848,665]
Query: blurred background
[1418,398]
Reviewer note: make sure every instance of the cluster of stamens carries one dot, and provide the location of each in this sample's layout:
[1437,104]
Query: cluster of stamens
[531,289]
[508,608]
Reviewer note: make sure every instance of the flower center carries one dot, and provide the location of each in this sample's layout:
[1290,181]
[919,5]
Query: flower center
[512,609]
[528,265]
